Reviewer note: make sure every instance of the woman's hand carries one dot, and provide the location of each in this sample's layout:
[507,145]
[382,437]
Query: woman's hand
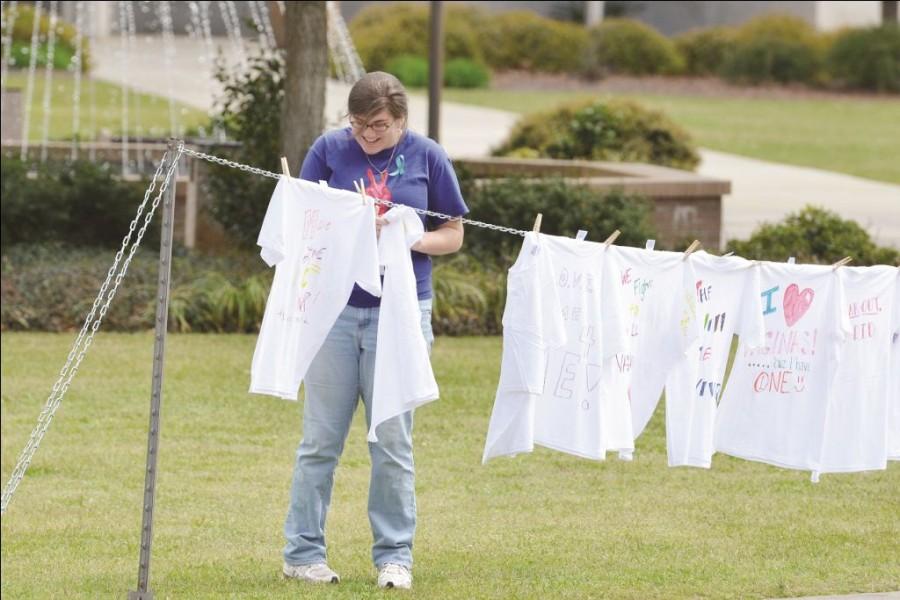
[379,223]
[446,239]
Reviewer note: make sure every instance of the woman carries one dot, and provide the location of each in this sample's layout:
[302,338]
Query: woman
[406,168]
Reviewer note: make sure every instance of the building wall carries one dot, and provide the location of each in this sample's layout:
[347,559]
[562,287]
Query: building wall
[835,15]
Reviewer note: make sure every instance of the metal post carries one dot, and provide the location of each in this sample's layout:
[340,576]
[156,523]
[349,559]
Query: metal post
[162,315]
[435,70]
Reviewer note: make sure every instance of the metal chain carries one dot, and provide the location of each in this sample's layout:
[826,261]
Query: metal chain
[66,374]
[421,211]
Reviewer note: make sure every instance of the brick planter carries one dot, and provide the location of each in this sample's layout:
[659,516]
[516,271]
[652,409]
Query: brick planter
[687,206]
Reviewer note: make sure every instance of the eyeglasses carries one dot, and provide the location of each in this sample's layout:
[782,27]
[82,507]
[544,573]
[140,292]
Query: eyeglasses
[377,126]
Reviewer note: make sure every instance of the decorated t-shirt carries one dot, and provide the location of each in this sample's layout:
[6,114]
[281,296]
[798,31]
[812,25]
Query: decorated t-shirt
[775,404]
[532,326]
[894,379]
[321,242]
[403,377]
[658,292]
[856,430]
[416,173]
[726,293]
[574,414]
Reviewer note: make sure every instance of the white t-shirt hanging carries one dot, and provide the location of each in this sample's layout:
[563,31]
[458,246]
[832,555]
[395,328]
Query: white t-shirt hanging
[403,377]
[894,380]
[658,291]
[728,302]
[856,432]
[574,414]
[321,241]
[532,326]
[775,405]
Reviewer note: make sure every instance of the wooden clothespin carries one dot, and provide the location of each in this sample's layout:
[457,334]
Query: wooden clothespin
[612,237]
[284,167]
[690,249]
[841,262]
[537,223]
[360,187]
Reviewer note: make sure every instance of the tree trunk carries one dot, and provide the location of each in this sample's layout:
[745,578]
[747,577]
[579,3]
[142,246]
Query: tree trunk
[306,70]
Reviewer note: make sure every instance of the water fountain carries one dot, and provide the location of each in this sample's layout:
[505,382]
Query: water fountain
[123,62]
[75,69]
[129,53]
[48,77]
[7,28]
[29,88]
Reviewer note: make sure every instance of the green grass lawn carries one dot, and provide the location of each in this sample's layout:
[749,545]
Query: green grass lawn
[854,136]
[544,525]
[152,115]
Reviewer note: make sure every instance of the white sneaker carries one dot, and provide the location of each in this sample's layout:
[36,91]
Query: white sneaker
[317,573]
[394,576]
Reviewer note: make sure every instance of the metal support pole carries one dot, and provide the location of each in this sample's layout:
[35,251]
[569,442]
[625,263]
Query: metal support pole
[435,70]
[162,315]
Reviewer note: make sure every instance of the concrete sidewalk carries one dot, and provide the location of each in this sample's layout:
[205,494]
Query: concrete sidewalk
[767,191]
[761,191]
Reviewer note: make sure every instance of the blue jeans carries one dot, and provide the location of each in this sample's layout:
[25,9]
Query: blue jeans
[342,371]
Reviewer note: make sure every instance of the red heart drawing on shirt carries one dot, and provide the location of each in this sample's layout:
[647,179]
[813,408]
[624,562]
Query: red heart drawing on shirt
[796,303]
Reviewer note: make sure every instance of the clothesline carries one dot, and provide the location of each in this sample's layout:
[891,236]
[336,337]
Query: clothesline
[430,213]
[388,203]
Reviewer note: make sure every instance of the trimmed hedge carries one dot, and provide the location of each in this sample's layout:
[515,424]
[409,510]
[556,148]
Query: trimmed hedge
[814,235]
[525,40]
[80,203]
[566,208]
[866,59]
[65,40]
[625,46]
[465,73]
[412,71]
[704,51]
[617,130]
[51,288]
[382,32]
[775,48]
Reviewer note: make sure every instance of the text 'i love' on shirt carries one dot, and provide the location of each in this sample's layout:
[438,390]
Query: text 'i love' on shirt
[775,406]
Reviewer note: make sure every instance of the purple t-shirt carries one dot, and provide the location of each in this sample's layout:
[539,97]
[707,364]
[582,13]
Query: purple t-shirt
[420,175]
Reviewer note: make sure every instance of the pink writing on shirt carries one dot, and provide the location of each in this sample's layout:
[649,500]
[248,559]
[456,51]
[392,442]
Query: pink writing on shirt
[796,303]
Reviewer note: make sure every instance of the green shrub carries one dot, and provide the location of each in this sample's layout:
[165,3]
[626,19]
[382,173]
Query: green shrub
[51,288]
[65,40]
[79,203]
[411,70]
[704,51]
[250,113]
[775,48]
[468,296]
[814,235]
[525,40]
[465,73]
[384,31]
[867,59]
[62,56]
[617,130]
[566,208]
[629,47]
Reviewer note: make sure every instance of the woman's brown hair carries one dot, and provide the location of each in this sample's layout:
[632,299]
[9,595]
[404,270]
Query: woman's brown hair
[378,91]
